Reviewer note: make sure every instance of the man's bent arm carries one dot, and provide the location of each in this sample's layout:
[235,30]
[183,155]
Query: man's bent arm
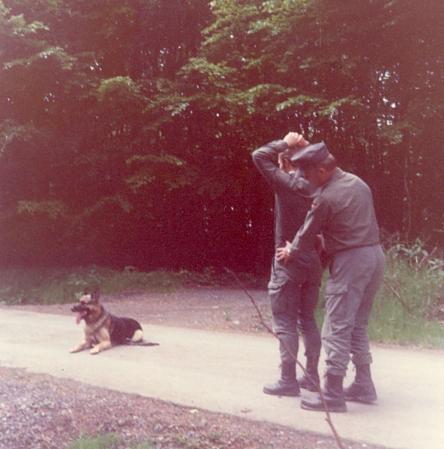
[265,158]
[316,219]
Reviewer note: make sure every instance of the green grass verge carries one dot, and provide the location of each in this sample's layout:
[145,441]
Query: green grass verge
[409,307]
[62,286]
[107,441]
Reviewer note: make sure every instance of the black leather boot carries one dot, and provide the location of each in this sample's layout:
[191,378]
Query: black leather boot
[310,380]
[362,389]
[333,396]
[287,385]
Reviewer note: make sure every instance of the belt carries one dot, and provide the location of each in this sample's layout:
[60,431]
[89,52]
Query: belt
[354,247]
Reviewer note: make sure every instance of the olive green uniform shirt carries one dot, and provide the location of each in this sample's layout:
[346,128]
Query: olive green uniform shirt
[344,213]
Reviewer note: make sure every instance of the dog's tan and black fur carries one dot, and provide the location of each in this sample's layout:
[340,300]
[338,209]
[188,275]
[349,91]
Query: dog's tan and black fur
[102,329]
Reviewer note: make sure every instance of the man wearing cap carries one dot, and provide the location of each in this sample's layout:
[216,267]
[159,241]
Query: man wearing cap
[293,288]
[344,213]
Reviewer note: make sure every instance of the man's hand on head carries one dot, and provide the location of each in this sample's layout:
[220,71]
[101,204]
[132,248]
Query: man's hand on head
[295,141]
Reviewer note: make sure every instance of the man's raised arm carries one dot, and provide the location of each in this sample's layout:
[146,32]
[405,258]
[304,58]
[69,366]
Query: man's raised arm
[266,159]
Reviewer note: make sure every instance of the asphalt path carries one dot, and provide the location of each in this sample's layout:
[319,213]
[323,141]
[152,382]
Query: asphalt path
[225,372]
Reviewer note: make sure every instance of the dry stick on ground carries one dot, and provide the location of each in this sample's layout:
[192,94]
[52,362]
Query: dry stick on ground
[426,257]
[398,297]
[270,330]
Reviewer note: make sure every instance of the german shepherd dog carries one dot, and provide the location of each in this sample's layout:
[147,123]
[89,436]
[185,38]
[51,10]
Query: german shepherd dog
[103,330]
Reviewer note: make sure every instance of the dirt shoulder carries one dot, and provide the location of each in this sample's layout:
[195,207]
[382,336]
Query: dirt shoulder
[42,412]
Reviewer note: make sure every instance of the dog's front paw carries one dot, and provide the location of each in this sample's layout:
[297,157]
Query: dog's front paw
[95,350]
[76,349]
[80,347]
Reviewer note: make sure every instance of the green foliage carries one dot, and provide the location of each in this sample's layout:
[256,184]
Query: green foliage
[16,27]
[53,209]
[55,53]
[61,286]
[64,286]
[10,131]
[203,73]
[107,441]
[409,307]
[418,258]
[119,90]
[166,169]
[299,100]
[126,126]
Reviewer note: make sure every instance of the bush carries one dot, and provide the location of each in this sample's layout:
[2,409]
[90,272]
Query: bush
[409,307]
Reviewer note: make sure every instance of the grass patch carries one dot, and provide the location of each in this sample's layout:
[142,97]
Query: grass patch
[64,285]
[108,441]
[409,307]
[61,286]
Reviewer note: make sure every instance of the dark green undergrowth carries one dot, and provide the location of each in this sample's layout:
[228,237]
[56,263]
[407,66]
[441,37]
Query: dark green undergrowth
[63,285]
[409,308]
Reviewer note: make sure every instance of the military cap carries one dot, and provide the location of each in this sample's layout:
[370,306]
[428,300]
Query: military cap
[312,154]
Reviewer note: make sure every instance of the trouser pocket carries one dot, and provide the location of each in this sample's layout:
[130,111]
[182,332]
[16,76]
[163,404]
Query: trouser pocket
[279,294]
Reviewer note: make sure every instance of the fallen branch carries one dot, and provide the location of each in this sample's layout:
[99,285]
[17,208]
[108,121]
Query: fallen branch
[399,298]
[270,330]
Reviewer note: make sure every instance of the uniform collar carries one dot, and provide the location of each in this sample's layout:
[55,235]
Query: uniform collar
[337,174]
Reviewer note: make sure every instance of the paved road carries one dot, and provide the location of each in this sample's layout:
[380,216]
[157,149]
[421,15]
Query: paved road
[224,372]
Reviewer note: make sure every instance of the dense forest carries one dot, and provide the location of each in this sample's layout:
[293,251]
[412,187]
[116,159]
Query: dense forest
[126,126]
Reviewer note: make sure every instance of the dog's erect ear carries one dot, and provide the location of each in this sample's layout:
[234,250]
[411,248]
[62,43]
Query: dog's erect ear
[95,295]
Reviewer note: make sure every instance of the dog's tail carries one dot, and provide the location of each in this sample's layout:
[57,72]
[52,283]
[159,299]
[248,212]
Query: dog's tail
[137,339]
[141,343]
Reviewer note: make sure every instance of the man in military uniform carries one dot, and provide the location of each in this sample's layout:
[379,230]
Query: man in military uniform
[293,288]
[344,213]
